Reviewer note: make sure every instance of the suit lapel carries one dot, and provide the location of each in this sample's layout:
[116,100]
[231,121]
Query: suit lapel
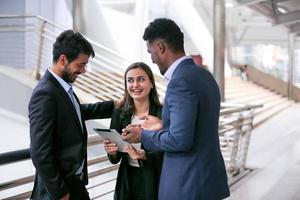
[165,111]
[68,101]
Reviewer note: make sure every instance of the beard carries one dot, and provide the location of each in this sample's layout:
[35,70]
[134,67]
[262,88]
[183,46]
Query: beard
[162,69]
[161,66]
[67,75]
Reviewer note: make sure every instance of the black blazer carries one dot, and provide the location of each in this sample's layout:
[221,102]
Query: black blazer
[58,143]
[151,167]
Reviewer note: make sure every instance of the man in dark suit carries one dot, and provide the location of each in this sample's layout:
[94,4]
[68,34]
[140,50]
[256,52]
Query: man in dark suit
[58,133]
[193,167]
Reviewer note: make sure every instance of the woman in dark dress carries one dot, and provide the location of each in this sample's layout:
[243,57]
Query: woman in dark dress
[139,171]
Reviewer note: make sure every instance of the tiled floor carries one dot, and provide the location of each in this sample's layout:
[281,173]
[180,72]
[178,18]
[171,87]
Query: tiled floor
[274,154]
[288,187]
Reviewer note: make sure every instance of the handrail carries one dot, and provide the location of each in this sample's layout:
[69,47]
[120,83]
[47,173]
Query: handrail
[234,128]
[231,108]
[14,156]
[50,22]
[23,154]
[41,29]
[90,40]
[234,132]
[16,16]
[61,27]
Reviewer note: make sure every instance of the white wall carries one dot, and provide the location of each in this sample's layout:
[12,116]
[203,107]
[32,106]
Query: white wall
[24,46]
[12,7]
[117,30]
[12,43]
[58,11]
[122,31]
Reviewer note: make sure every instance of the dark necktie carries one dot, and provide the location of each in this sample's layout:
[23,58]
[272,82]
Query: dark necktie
[76,104]
[77,108]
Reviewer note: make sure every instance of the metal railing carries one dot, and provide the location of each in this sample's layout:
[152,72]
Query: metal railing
[26,42]
[35,35]
[9,189]
[234,131]
[235,126]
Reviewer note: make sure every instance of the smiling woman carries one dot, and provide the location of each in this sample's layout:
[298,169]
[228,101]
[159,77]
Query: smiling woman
[139,82]
[138,85]
[139,171]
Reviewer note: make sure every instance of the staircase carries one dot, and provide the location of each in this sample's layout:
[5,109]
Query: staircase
[107,85]
[239,91]
[104,81]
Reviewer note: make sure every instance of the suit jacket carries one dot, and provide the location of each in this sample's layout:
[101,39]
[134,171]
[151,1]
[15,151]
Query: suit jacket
[151,167]
[193,167]
[58,142]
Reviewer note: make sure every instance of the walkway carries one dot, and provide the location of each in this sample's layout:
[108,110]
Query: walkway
[274,155]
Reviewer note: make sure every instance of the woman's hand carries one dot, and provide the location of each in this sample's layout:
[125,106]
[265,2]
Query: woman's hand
[136,154]
[110,148]
[152,123]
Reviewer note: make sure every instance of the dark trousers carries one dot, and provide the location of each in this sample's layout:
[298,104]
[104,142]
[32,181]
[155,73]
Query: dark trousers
[78,191]
[136,184]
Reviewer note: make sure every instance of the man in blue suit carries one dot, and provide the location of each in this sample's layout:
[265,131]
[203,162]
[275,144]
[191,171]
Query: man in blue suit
[193,166]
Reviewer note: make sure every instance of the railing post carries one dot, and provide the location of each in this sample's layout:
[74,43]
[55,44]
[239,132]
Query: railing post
[236,144]
[39,60]
[246,135]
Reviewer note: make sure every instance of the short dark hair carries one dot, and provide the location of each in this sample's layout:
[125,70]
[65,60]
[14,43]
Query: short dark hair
[166,29]
[71,44]
[128,106]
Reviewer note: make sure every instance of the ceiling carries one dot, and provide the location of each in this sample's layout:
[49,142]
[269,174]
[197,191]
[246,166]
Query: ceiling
[248,21]
[279,12]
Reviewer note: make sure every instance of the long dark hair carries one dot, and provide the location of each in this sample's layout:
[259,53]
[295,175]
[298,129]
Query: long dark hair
[128,103]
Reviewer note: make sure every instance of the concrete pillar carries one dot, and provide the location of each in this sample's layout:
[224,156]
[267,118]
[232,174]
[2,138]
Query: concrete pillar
[219,44]
[141,17]
[291,64]
[77,15]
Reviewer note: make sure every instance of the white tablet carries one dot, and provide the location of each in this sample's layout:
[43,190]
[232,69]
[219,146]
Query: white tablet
[113,136]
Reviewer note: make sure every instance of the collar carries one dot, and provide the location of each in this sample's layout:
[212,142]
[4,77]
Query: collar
[169,72]
[61,81]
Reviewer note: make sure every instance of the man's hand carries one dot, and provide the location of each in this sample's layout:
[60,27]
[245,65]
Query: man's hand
[66,197]
[110,148]
[135,153]
[152,123]
[132,134]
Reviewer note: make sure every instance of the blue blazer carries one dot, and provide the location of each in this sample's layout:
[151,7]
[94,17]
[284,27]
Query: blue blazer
[193,166]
